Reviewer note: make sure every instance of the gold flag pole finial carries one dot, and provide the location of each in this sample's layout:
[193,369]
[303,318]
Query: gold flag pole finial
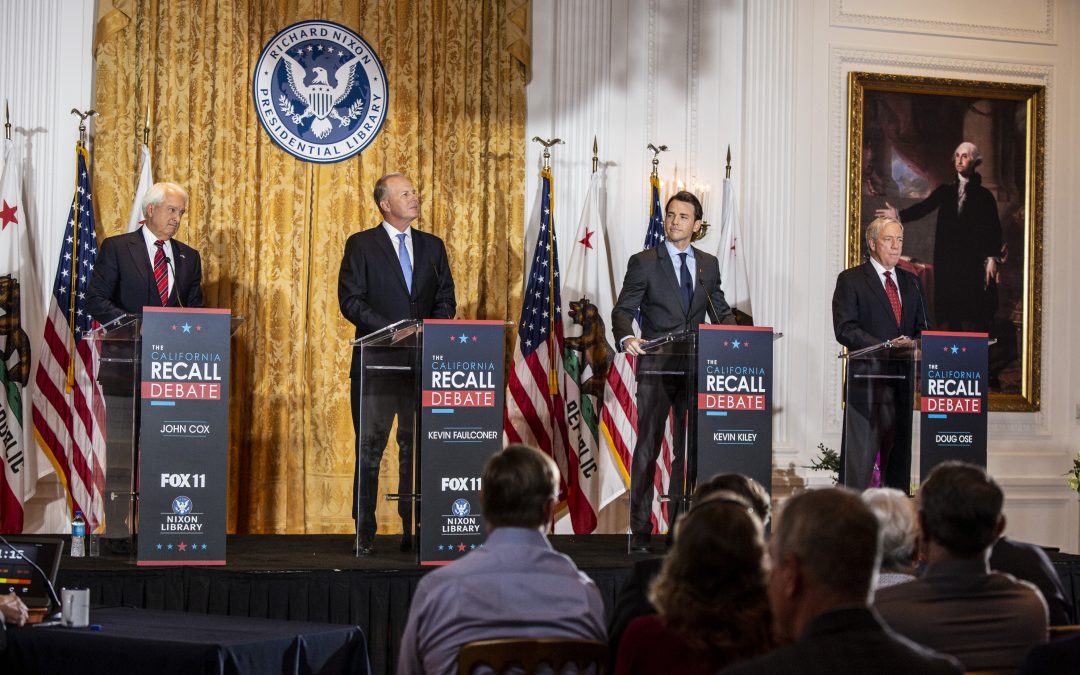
[7,121]
[727,169]
[595,155]
[82,122]
[547,143]
[146,126]
[656,158]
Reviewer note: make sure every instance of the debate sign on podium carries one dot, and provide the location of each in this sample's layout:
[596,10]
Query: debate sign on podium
[461,420]
[953,401]
[184,440]
[734,411]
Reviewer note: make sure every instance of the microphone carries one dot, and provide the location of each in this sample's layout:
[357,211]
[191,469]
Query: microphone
[169,262]
[708,297]
[922,306]
[48,583]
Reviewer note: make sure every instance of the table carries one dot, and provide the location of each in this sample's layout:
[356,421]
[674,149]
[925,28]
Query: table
[163,642]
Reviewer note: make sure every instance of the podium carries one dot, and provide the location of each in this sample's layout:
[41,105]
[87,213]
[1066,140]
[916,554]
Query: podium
[879,392]
[707,396]
[118,344]
[162,377]
[444,379]
[949,372]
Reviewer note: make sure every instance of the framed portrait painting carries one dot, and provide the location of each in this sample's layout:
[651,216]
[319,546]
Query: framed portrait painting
[959,163]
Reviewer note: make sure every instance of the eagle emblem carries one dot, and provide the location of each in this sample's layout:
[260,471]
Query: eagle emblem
[320,91]
[320,98]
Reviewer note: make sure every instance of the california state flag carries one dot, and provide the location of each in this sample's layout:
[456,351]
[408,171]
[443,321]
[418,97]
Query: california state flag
[20,317]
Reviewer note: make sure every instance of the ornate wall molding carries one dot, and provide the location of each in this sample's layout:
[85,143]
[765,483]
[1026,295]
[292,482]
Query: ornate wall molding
[843,60]
[1043,30]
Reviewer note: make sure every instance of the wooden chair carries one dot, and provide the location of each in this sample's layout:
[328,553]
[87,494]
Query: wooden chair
[1059,632]
[529,654]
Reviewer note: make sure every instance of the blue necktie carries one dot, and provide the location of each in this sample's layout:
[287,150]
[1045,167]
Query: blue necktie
[406,263]
[686,283]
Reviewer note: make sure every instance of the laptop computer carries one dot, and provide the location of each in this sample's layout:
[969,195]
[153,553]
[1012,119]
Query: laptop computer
[20,577]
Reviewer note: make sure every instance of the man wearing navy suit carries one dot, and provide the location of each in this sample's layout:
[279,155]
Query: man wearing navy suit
[873,303]
[147,267]
[389,273]
[673,285]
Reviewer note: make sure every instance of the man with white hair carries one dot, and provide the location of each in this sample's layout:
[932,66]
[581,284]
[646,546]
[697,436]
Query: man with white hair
[967,245]
[876,302]
[147,267]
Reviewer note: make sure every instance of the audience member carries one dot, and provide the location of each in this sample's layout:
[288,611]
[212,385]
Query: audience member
[1030,563]
[899,527]
[988,620]
[12,609]
[710,593]
[632,600]
[825,552]
[514,586]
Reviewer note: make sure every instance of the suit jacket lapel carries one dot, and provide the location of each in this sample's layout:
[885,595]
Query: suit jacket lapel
[136,246]
[878,289]
[419,259]
[668,272]
[387,247]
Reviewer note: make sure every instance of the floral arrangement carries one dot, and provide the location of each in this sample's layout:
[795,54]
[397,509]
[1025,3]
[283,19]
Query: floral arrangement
[828,460]
[1074,474]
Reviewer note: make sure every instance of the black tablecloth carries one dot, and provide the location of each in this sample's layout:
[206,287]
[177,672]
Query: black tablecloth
[160,642]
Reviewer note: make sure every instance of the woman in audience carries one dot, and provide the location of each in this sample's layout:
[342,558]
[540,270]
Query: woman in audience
[710,594]
[899,528]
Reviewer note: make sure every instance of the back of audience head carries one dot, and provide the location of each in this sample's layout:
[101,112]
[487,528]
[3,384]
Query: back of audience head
[899,527]
[712,586]
[520,488]
[960,509]
[825,551]
[744,486]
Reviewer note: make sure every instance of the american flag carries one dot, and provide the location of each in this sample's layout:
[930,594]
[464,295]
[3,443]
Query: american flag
[535,405]
[654,234]
[620,414]
[68,409]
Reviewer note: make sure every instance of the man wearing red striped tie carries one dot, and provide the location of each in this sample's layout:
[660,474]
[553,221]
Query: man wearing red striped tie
[147,267]
[875,302]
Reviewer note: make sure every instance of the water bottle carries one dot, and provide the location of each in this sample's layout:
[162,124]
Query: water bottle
[78,536]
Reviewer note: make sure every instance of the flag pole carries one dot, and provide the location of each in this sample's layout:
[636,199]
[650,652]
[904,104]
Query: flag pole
[727,169]
[595,155]
[7,121]
[553,343]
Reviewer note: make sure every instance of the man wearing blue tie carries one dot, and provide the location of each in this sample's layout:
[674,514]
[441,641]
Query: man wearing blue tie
[673,285]
[388,273]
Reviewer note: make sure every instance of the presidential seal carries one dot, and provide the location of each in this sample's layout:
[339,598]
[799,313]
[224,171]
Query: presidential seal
[320,91]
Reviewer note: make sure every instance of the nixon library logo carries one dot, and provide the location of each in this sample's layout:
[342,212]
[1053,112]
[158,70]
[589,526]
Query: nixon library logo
[320,91]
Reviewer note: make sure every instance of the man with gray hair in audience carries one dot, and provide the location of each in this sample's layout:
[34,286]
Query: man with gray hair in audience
[988,620]
[514,586]
[899,527]
[825,552]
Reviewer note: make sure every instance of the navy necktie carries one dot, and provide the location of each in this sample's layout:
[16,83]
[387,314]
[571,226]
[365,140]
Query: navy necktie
[687,284]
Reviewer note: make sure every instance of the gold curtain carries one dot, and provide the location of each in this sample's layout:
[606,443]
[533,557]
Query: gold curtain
[271,229]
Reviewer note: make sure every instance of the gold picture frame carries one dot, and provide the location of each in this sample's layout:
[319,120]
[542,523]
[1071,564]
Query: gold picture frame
[902,132]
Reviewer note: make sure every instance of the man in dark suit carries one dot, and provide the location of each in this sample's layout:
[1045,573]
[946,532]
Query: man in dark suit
[673,285]
[873,303]
[144,268]
[825,552]
[1030,563]
[389,273]
[147,267]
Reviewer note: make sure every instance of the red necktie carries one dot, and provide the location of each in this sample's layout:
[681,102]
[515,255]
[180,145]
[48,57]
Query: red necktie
[161,272]
[894,296]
